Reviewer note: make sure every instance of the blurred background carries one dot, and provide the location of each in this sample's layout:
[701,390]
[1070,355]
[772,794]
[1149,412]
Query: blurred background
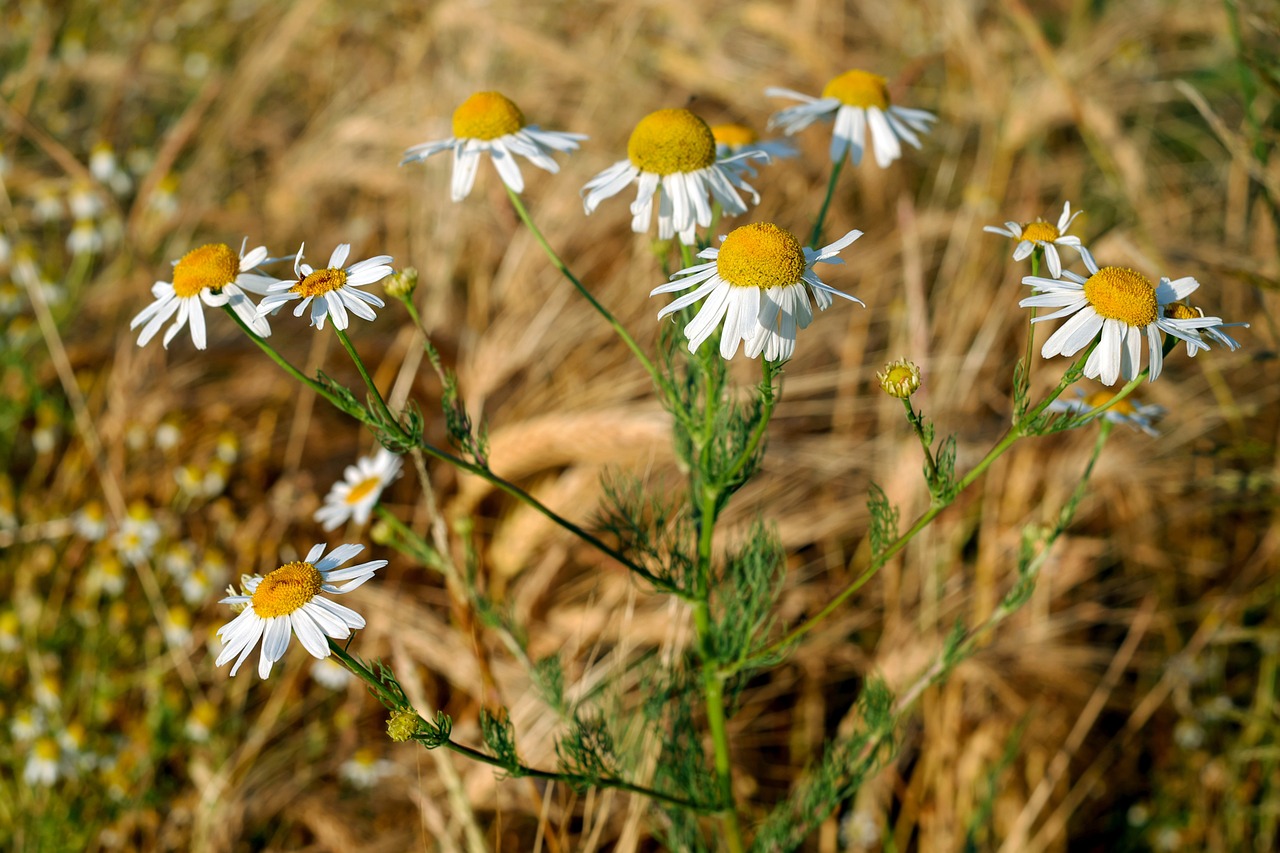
[1130,706]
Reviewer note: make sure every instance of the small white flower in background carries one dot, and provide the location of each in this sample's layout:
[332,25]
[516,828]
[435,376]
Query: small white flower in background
[1128,411]
[85,238]
[331,291]
[287,601]
[200,721]
[197,586]
[138,534]
[859,102]
[27,724]
[168,434]
[331,674]
[84,202]
[11,299]
[228,447]
[212,275]
[179,559]
[861,830]
[48,693]
[1119,307]
[46,205]
[738,139]
[672,154]
[190,480]
[163,201]
[1182,311]
[177,626]
[758,283]
[10,628]
[43,763]
[106,575]
[90,521]
[104,166]
[1043,235]
[365,769]
[357,493]
[75,758]
[489,122]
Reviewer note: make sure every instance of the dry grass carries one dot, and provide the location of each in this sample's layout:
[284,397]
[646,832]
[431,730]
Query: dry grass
[1160,598]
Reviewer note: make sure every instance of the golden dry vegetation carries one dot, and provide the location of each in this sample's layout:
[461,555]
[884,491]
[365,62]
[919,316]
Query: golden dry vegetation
[1130,706]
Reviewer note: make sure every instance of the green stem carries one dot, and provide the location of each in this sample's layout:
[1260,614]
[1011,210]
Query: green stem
[385,412]
[757,435]
[392,699]
[560,265]
[917,424]
[433,355]
[816,236]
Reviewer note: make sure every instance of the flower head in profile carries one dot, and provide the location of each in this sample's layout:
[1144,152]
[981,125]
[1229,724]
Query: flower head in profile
[1128,411]
[288,601]
[734,140]
[357,493]
[331,291]
[1183,311]
[672,153]
[1118,307]
[490,122]
[858,101]
[1042,235]
[758,285]
[211,275]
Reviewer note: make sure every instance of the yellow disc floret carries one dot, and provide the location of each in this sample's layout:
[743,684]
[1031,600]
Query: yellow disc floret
[213,266]
[1118,293]
[487,115]
[1182,311]
[1040,232]
[900,379]
[734,135]
[671,141]
[858,89]
[286,589]
[362,490]
[1098,399]
[760,255]
[321,282]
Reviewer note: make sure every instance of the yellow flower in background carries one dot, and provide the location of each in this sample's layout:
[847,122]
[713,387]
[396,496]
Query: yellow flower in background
[1042,235]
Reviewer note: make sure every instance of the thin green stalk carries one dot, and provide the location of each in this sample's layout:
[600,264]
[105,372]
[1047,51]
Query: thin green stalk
[757,435]
[917,425]
[559,264]
[390,698]
[383,409]
[361,414]
[816,236]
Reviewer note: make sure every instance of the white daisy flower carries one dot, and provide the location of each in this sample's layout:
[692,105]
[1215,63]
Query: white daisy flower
[84,238]
[10,631]
[26,724]
[46,204]
[362,485]
[756,284]
[138,534]
[1182,311]
[287,601]
[43,763]
[736,139]
[331,291]
[211,274]
[858,101]
[331,674]
[1128,411]
[1042,234]
[90,521]
[200,722]
[490,122]
[365,769]
[673,151]
[1118,306]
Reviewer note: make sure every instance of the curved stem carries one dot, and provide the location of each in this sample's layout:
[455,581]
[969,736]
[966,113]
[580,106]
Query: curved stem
[390,698]
[559,264]
[383,410]
[816,236]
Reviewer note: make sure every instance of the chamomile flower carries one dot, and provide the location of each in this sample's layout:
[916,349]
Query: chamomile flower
[1043,235]
[331,291]
[10,631]
[1182,311]
[673,153]
[859,102]
[43,763]
[213,275]
[1128,411]
[490,122]
[90,521]
[758,283]
[331,674]
[365,769]
[138,534]
[358,492]
[287,601]
[736,139]
[1118,307]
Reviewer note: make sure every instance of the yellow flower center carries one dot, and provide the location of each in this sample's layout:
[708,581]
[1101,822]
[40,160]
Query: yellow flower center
[1117,293]
[1041,232]
[900,378]
[213,266]
[1181,311]
[486,115]
[321,282]
[671,141]
[362,490]
[760,255]
[1101,398]
[858,89]
[734,135]
[46,749]
[286,589]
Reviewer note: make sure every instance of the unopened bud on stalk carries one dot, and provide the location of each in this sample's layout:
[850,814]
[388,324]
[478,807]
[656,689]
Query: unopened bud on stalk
[402,725]
[900,379]
[402,284]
